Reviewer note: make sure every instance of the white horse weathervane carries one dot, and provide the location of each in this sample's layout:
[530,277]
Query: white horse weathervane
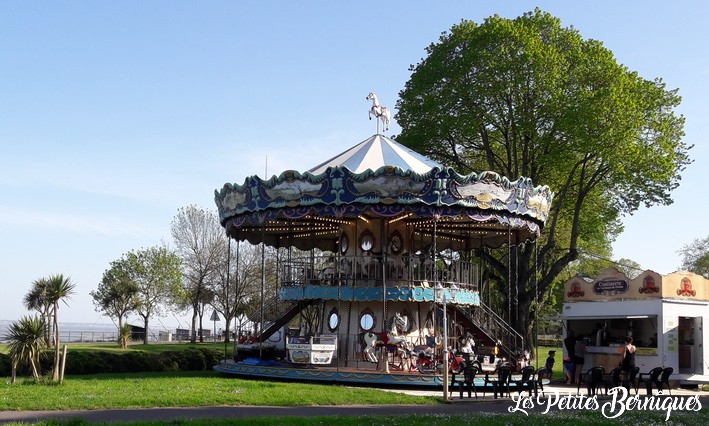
[381,113]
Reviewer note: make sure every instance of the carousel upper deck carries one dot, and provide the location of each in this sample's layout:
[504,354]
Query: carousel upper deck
[367,277]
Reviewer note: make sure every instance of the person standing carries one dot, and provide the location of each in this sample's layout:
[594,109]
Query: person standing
[569,343]
[568,370]
[579,357]
[627,363]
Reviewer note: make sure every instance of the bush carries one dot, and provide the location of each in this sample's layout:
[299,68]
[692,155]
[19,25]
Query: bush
[5,365]
[83,362]
[195,360]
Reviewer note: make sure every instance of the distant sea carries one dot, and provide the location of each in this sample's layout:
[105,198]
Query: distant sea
[74,331]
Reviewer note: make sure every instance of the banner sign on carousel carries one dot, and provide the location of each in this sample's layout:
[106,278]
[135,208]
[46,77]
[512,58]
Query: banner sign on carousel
[366,294]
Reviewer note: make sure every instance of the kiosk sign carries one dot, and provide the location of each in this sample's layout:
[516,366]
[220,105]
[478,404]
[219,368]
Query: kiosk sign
[610,287]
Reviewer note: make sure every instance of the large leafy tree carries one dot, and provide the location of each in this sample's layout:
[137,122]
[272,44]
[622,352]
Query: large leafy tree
[201,244]
[156,271]
[695,256]
[116,295]
[528,97]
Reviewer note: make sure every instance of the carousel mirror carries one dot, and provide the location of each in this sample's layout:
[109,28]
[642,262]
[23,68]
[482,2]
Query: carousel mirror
[409,320]
[366,321]
[344,243]
[366,241]
[333,320]
[395,242]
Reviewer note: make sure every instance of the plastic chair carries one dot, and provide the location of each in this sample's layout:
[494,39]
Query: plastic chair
[469,373]
[593,378]
[525,381]
[632,380]
[538,381]
[653,377]
[501,382]
[613,379]
[665,378]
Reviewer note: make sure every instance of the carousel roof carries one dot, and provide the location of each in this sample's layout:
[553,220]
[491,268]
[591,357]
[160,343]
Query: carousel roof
[375,152]
[379,178]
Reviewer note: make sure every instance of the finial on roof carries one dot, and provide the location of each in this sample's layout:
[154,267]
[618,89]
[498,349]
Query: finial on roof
[381,113]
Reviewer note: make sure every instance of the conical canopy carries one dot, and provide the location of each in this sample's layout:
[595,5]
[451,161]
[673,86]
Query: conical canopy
[375,152]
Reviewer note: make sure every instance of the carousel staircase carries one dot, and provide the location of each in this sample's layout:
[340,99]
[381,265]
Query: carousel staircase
[489,330]
[278,313]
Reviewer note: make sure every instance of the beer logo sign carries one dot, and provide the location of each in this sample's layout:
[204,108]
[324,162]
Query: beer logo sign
[610,287]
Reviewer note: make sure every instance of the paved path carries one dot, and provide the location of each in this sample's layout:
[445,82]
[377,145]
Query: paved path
[457,406]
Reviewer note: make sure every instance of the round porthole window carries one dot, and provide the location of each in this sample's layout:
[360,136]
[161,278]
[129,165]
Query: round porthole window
[333,320]
[344,243]
[366,241]
[366,321]
[395,243]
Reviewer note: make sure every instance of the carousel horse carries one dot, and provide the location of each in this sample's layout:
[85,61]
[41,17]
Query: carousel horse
[390,337]
[467,344]
[379,112]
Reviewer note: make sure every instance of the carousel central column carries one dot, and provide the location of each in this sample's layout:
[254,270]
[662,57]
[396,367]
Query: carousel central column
[382,260]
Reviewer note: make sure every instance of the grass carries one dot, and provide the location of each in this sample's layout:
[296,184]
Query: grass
[542,354]
[194,389]
[488,419]
[190,389]
[152,347]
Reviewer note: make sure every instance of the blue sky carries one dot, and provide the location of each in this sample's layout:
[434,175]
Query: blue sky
[115,114]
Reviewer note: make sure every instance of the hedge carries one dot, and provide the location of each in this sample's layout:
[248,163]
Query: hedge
[82,362]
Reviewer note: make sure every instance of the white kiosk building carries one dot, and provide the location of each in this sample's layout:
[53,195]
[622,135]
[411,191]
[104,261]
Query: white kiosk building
[665,315]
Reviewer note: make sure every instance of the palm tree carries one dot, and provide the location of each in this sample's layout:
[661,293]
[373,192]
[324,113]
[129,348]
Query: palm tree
[26,338]
[36,299]
[59,288]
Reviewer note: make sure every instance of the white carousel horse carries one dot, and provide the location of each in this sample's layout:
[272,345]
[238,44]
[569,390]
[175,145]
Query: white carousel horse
[379,112]
[389,337]
[467,344]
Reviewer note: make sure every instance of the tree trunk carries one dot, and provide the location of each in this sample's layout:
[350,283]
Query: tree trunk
[201,335]
[35,373]
[145,334]
[525,319]
[120,334]
[55,373]
[227,331]
[193,335]
[61,376]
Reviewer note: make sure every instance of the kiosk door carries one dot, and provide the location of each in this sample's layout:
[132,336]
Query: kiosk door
[698,355]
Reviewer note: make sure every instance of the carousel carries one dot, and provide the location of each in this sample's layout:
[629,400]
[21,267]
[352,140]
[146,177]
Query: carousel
[377,277]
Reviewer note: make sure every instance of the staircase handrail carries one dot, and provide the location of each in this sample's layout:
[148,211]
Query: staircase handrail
[504,334]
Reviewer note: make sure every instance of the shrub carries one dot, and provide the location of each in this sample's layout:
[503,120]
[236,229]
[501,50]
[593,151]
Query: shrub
[85,362]
[5,365]
[194,360]
[96,362]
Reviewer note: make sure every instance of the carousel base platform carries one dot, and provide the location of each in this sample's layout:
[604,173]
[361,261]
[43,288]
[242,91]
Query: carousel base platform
[329,374]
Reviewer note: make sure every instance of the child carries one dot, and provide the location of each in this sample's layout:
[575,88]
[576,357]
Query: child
[568,370]
[549,367]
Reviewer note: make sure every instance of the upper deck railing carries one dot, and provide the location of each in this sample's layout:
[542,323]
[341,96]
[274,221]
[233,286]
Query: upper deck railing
[372,270]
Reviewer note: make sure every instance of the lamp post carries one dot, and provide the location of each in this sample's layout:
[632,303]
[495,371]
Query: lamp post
[441,294]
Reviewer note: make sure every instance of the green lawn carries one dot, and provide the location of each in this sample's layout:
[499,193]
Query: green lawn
[543,353]
[487,419]
[193,389]
[186,389]
[152,347]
